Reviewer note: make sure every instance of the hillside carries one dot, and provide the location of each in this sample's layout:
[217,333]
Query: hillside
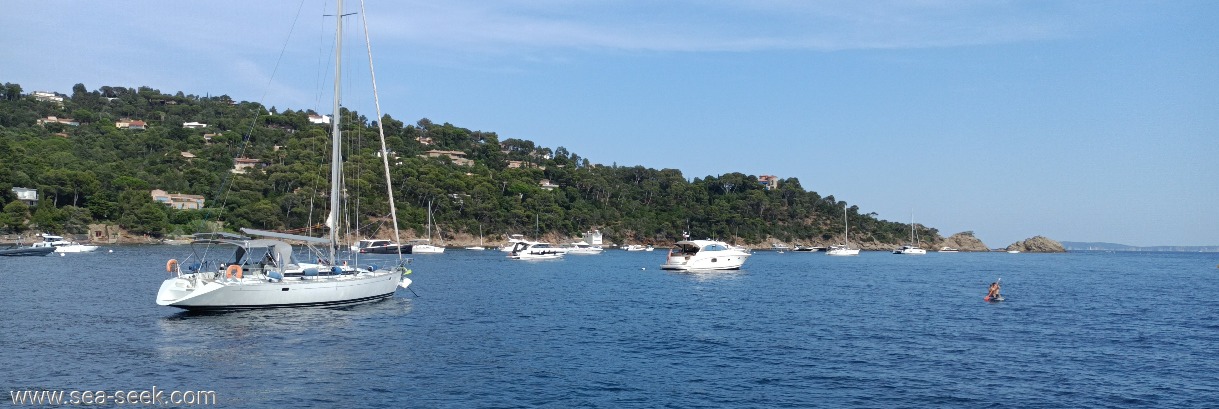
[94,156]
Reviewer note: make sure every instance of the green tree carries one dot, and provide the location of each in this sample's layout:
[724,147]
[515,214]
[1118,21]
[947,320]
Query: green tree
[150,219]
[12,92]
[15,215]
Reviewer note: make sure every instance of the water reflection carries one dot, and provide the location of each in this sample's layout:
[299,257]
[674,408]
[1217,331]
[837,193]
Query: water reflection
[244,332]
[711,275]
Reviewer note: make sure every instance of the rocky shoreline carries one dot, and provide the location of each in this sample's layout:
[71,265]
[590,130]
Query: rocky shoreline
[964,242]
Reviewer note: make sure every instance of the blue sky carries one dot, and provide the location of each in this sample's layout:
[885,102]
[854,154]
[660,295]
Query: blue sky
[1076,120]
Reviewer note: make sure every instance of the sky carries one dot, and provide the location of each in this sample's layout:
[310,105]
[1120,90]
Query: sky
[1075,120]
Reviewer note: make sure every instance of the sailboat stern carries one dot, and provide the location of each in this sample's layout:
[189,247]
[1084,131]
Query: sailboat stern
[179,291]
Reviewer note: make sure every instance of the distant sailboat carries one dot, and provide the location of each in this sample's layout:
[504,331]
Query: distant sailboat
[480,240]
[844,249]
[912,248]
[425,246]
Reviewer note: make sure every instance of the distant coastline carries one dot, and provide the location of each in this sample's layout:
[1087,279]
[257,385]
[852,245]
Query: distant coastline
[1101,246]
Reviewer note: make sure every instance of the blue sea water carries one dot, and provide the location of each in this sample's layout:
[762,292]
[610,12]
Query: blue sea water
[613,330]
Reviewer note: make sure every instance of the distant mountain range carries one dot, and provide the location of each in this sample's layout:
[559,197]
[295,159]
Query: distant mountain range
[1097,246]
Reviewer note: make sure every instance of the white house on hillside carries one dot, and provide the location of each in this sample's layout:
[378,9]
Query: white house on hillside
[27,195]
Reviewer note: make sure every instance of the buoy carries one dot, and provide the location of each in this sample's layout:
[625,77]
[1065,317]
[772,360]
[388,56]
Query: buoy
[233,270]
[63,254]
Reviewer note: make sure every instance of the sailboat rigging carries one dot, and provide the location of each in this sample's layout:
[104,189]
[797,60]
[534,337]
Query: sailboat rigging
[844,249]
[911,248]
[480,240]
[262,272]
[425,246]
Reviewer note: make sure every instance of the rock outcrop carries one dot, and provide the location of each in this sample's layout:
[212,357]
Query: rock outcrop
[1037,244]
[963,241]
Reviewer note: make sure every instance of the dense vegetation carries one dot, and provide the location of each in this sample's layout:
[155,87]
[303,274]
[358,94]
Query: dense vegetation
[95,172]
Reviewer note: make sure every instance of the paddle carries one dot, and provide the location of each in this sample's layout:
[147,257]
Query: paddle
[987,297]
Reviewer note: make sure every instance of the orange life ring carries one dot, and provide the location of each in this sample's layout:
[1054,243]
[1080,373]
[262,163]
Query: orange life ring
[171,265]
[233,270]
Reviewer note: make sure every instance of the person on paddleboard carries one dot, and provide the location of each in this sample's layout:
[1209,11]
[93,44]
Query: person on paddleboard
[993,292]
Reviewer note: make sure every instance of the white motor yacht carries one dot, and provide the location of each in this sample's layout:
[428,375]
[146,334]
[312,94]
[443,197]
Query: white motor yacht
[529,250]
[63,246]
[704,255]
[580,247]
[512,240]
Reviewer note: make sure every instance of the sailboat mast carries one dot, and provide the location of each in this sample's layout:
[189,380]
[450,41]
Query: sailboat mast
[336,156]
[389,183]
[846,228]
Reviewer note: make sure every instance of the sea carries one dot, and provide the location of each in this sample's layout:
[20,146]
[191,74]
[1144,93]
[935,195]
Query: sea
[789,330]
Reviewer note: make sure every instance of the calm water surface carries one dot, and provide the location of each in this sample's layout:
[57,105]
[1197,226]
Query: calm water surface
[790,330]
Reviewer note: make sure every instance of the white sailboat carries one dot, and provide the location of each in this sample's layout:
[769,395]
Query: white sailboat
[479,247]
[262,272]
[912,248]
[844,249]
[425,246]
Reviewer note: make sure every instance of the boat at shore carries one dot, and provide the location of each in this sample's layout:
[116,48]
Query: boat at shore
[580,247]
[425,246]
[17,250]
[694,255]
[638,247]
[912,248]
[379,246]
[949,250]
[845,248]
[479,247]
[60,245]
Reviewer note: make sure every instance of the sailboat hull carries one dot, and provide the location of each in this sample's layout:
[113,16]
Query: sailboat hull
[842,252]
[200,294]
[426,249]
